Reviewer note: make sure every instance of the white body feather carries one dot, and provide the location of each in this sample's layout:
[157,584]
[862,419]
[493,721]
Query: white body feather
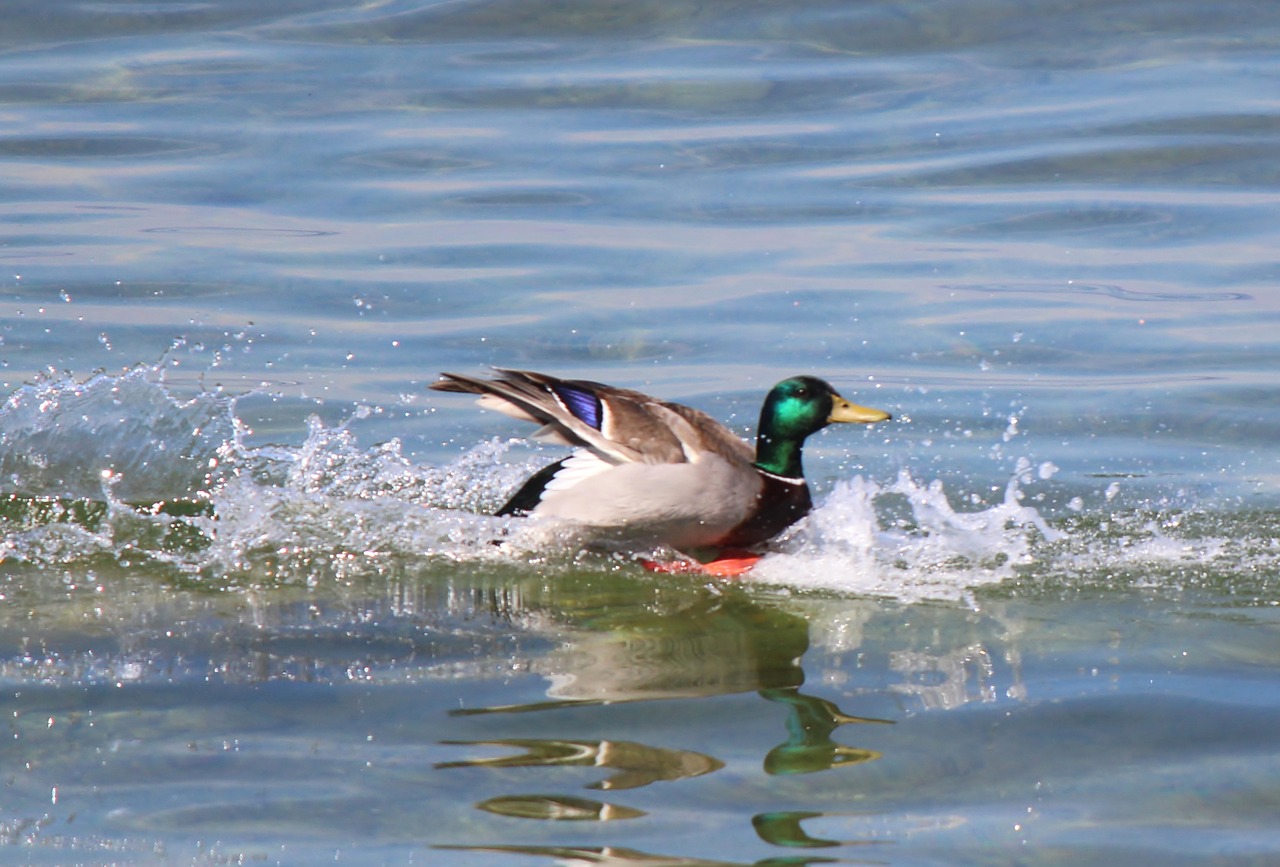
[686,505]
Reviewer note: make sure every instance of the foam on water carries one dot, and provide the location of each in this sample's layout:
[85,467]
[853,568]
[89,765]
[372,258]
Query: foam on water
[117,466]
[938,553]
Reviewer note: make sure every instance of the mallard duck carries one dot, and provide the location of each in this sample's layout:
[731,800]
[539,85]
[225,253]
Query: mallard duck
[660,473]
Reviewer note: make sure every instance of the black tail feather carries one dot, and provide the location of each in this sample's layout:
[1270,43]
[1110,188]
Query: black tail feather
[526,499]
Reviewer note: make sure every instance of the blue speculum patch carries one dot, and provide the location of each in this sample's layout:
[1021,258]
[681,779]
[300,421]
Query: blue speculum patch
[582,403]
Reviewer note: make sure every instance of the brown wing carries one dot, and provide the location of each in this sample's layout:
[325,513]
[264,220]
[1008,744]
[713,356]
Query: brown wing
[619,424]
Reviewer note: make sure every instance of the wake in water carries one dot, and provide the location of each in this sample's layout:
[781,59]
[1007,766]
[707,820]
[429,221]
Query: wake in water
[118,467]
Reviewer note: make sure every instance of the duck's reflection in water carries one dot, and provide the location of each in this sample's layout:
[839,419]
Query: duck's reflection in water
[722,643]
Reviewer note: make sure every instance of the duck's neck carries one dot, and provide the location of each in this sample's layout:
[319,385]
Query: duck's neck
[779,455]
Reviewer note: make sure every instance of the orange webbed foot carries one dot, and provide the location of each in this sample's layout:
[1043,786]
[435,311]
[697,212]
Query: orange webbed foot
[727,564]
[731,564]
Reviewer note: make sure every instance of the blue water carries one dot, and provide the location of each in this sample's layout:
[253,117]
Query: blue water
[250,611]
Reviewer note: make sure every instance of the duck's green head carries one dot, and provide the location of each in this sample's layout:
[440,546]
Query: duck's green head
[795,408]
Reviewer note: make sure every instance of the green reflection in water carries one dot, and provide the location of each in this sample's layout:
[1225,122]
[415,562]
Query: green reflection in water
[558,808]
[783,829]
[810,724]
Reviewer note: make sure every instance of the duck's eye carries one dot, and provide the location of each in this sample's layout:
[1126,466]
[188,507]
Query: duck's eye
[802,392]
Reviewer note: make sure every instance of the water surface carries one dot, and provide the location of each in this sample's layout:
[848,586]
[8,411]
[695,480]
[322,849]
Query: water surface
[250,608]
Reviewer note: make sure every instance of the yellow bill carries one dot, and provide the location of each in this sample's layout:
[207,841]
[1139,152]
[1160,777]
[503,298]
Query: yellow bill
[843,410]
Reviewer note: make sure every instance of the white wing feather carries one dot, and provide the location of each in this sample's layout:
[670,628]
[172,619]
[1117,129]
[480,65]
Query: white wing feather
[578,467]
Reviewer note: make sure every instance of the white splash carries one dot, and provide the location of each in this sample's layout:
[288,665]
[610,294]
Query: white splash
[118,466]
[939,553]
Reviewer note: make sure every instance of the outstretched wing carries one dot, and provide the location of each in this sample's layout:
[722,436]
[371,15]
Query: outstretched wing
[617,424]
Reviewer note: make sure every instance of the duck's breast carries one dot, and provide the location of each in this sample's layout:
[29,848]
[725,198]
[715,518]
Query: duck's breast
[682,505]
